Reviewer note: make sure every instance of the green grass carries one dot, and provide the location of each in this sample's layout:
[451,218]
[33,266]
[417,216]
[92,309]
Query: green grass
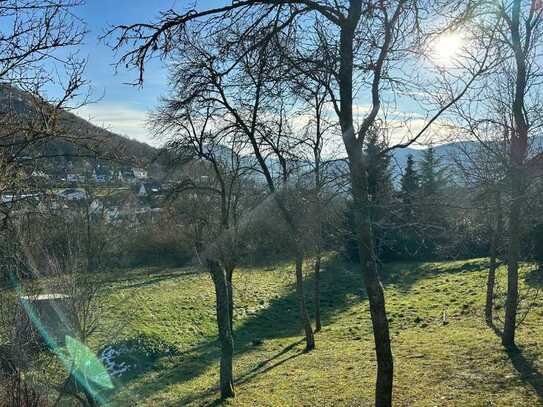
[458,364]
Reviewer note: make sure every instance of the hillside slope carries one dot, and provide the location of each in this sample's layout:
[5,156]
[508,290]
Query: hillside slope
[460,363]
[81,137]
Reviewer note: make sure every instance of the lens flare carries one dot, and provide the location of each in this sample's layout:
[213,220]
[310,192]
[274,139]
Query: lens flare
[446,48]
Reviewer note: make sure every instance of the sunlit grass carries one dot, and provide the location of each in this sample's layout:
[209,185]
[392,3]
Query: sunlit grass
[459,363]
[445,355]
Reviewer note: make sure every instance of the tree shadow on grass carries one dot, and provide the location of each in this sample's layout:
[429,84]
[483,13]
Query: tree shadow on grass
[261,368]
[155,279]
[341,288]
[266,365]
[527,370]
[525,366]
[406,274]
[279,319]
[534,278]
[147,276]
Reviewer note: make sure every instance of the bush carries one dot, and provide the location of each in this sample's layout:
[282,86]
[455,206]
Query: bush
[153,247]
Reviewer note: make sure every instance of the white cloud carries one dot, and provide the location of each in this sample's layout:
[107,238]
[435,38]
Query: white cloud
[131,122]
[121,119]
[401,131]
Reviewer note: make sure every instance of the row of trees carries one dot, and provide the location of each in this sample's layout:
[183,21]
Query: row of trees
[240,62]
[266,94]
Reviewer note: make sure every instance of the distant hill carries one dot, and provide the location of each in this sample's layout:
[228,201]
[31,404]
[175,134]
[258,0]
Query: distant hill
[84,143]
[449,152]
[81,141]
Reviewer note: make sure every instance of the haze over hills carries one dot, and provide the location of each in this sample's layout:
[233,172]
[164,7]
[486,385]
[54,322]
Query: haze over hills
[85,141]
[447,152]
[81,140]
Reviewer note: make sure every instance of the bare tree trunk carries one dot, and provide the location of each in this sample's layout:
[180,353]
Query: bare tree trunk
[491,279]
[513,256]
[374,290]
[225,329]
[300,295]
[317,293]
[304,317]
[230,287]
[359,184]
[517,151]
[491,282]
[91,401]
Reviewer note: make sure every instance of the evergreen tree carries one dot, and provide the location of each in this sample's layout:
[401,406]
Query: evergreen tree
[379,173]
[410,186]
[431,173]
[406,241]
[432,215]
[380,189]
[431,189]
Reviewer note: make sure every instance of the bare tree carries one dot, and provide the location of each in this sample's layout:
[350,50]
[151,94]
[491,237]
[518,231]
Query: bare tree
[317,165]
[503,115]
[521,36]
[239,84]
[200,136]
[484,175]
[37,42]
[367,39]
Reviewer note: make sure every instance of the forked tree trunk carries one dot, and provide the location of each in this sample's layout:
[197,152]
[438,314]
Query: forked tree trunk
[491,279]
[513,256]
[317,293]
[304,317]
[225,329]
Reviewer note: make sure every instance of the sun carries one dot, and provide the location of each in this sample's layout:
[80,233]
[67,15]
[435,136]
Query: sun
[446,48]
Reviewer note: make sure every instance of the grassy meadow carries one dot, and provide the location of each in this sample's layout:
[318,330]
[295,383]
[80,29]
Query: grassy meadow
[445,355]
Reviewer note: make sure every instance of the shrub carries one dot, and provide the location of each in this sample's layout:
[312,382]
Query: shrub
[153,247]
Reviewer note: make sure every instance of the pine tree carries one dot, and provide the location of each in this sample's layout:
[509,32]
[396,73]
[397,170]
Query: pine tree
[380,189]
[432,215]
[410,184]
[379,173]
[431,186]
[407,240]
[431,173]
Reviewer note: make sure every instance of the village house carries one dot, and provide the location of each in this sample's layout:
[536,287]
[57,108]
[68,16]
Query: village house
[139,173]
[101,174]
[149,188]
[126,176]
[75,177]
[72,194]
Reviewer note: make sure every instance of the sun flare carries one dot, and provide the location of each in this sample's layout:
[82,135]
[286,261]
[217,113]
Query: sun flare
[446,48]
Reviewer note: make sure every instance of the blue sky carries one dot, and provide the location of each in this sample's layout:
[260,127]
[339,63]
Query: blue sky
[120,107]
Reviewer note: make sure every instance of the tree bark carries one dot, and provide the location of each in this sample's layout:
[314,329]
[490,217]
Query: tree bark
[304,317]
[299,255]
[513,256]
[518,150]
[317,293]
[230,287]
[359,184]
[491,279]
[225,329]
[374,290]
